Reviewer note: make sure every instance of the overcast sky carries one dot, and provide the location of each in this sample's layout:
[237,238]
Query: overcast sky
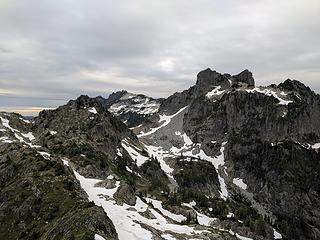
[52,51]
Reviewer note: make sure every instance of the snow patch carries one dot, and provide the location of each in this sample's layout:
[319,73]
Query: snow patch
[165,120]
[45,155]
[239,182]
[98,237]
[276,234]
[158,205]
[134,153]
[316,146]
[215,92]
[93,110]
[126,222]
[28,135]
[269,92]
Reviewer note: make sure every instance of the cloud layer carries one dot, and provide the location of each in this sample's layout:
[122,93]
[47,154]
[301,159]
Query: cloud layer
[51,51]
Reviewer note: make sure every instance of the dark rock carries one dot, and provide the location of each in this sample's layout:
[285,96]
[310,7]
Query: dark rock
[245,77]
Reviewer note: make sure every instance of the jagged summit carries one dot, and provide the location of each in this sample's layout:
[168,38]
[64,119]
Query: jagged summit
[208,78]
[245,77]
[296,86]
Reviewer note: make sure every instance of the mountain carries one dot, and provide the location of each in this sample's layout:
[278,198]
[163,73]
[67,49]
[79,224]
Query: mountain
[223,159]
[131,108]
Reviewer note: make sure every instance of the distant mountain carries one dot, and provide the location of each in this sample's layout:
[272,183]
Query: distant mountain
[223,159]
[131,108]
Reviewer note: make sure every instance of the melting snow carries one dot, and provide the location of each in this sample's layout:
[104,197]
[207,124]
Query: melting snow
[133,152]
[269,92]
[168,237]
[239,182]
[158,205]
[65,161]
[98,237]
[160,154]
[6,140]
[45,155]
[165,120]
[5,123]
[53,132]
[215,92]
[276,234]
[230,215]
[242,238]
[28,135]
[125,221]
[93,110]
[316,146]
[202,219]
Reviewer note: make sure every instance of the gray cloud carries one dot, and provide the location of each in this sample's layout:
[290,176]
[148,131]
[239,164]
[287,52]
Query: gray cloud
[60,49]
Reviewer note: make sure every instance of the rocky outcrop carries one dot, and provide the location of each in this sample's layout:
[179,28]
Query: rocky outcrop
[41,199]
[245,77]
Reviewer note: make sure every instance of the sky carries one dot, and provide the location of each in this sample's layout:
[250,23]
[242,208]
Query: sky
[53,51]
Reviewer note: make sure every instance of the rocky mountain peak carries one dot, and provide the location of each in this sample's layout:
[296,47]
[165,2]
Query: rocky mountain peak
[245,77]
[295,86]
[115,96]
[208,77]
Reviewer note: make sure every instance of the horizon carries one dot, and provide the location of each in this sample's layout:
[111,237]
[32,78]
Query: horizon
[34,111]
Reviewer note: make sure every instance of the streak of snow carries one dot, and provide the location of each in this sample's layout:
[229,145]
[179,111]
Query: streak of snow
[316,146]
[203,220]
[6,140]
[65,162]
[133,152]
[24,120]
[110,177]
[53,132]
[230,215]
[28,135]
[93,110]
[45,155]
[119,152]
[168,237]
[165,120]
[269,92]
[98,237]
[215,92]
[242,238]
[158,205]
[5,123]
[276,234]
[239,182]
[160,154]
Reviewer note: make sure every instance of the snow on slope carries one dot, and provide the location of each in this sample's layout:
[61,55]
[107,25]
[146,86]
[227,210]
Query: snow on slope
[239,182]
[134,152]
[271,92]
[134,103]
[215,92]
[164,121]
[127,219]
[25,138]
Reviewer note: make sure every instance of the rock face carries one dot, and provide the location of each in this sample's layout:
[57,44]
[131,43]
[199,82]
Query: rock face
[269,145]
[245,77]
